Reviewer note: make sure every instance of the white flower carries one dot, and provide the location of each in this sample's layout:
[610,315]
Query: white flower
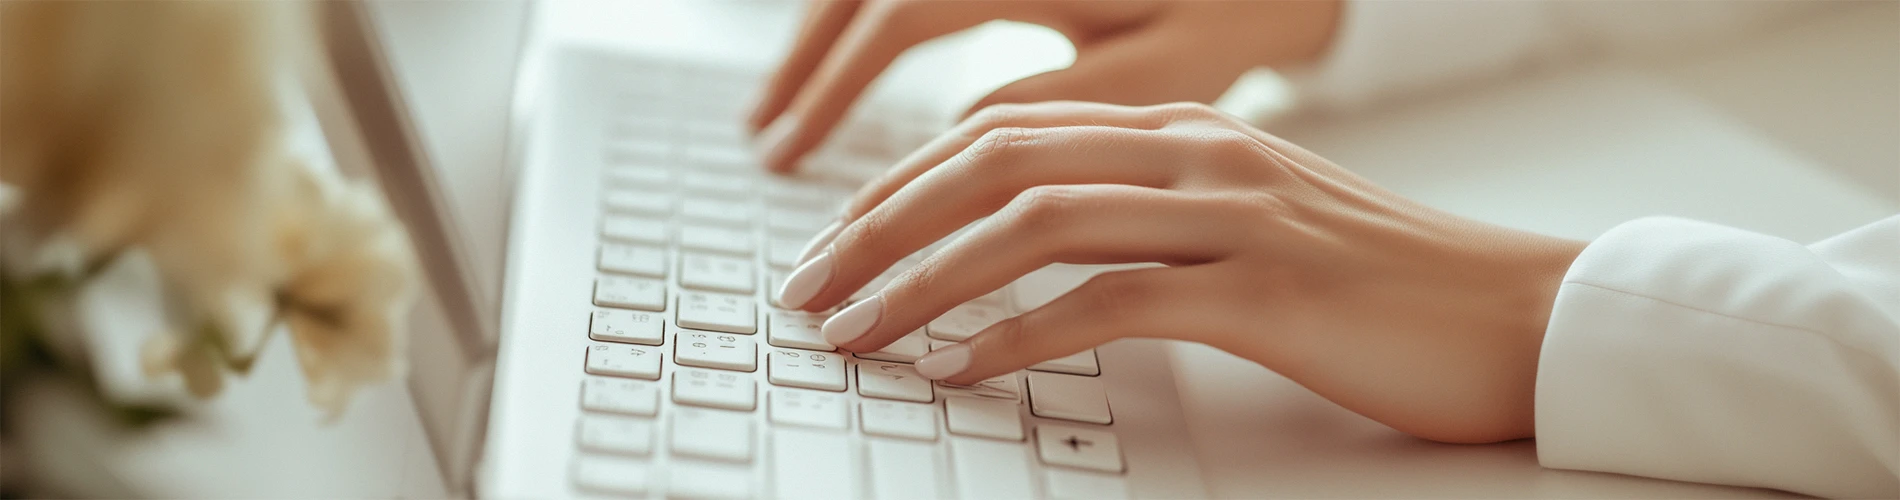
[156,126]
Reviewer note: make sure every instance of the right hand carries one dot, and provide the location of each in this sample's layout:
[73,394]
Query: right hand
[1417,318]
[1127,52]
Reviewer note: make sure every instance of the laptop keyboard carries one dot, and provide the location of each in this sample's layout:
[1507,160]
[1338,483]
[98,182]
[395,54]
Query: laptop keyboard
[698,386]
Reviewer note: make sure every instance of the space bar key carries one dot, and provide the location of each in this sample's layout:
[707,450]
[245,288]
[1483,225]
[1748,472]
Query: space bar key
[812,464]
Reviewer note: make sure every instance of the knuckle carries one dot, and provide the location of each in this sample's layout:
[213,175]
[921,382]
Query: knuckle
[1042,208]
[1185,111]
[1228,148]
[1000,142]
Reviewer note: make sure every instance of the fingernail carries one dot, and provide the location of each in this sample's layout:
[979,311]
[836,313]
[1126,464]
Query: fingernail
[821,241]
[805,282]
[853,321]
[775,139]
[944,363]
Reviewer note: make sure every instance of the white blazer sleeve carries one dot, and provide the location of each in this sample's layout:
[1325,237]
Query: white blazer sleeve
[1385,49]
[1692,351]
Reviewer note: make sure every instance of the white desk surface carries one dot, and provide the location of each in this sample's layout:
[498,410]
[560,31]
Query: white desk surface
[1630,139]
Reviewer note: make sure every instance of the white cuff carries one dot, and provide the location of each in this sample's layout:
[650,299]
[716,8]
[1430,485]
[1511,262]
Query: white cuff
[1692,351]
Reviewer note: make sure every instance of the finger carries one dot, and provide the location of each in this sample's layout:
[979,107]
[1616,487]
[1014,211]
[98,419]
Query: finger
[973,184]
[1143,68]
[966,133]
[874,38]
[1088,224]
[826,19]
[1152,302]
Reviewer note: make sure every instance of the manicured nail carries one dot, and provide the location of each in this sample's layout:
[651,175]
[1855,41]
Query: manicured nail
[944,363]
[775,139]
[853,321]
[805,282]
[818,243]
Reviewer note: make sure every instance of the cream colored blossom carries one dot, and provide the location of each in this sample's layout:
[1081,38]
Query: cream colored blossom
[156,125]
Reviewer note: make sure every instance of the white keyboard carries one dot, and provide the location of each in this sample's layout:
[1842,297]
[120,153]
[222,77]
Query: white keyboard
[698,387]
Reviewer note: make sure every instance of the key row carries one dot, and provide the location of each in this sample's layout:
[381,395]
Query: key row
[699,311]
[1050,395]
[1084,463]
[637,180]
[703,271]
[786,329]
[724,435]
[651,202]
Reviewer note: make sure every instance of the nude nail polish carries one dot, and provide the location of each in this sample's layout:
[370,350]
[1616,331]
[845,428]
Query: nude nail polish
[854,321]
[944,363]
[805,282]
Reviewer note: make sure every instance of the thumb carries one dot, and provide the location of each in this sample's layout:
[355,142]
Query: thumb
[1135,70]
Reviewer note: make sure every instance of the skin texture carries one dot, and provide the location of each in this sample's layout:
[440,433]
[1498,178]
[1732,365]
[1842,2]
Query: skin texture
[1127,52]
[1419,319]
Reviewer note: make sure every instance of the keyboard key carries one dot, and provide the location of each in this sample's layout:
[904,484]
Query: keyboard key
[610,475]
[1068,397]
[900,420]
[991,470]
[639,202]
[630,293]
[728,157]
[893,381]
[812,464]
[711,272]
[903,470]
[724,185]
[708,482]
[783,252]
[712,434]
[797,330]
[1003,386]
[716,312]
[712,211]
[983,417]
[716,239]
[905,349]
[807,369]
[805,193]
[628,327]
[621,435]
[1070,446]
[639,176]
[797,222]
[624,361]
[640,150]
[716,350]
[732,391]
[963,321]
[618,395]
[1065,484]
[1081,363]
[633,259]
[809,408]
[633,229]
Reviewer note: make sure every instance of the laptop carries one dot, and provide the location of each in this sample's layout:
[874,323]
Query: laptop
[601,246]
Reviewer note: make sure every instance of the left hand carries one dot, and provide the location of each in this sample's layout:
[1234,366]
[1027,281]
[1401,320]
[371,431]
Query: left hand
[1414,317]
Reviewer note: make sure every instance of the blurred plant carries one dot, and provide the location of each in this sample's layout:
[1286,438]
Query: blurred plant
[153,131]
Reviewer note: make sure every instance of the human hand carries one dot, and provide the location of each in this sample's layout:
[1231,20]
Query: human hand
[1127,52]
[1419,319]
